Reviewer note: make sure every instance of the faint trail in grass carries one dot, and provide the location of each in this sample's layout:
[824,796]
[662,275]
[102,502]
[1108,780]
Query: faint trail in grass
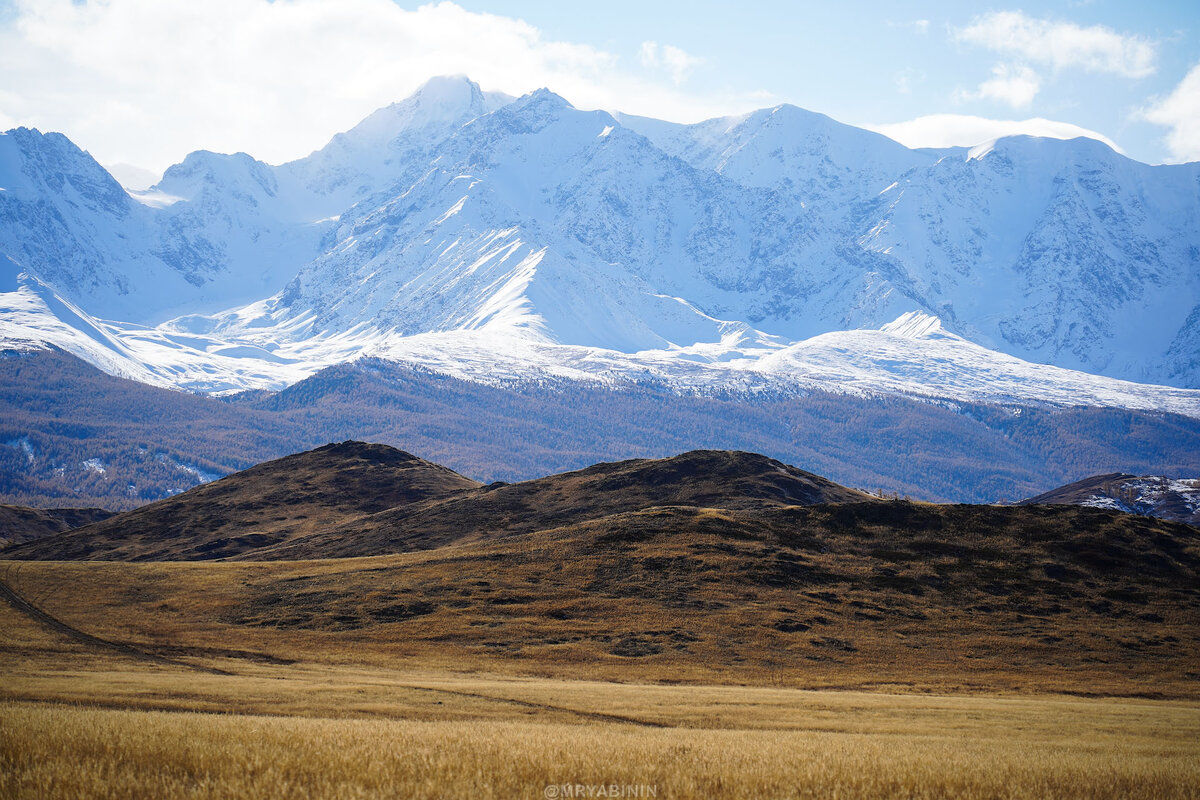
[598,716]
[20,604]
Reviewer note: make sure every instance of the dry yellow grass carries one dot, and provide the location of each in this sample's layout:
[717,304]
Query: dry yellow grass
[512,608]
[78,721]
[864,746]
[484,672]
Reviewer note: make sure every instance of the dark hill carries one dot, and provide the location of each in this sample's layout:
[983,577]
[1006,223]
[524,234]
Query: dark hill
[355,499]
[1151,496]
[705,564]
[264,505]
[19,524]
[889,594]
[717,479]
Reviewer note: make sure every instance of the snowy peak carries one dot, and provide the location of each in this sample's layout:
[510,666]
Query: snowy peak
[789,148]
[1044,148]
[33,163]
[916,325]
[531,112]
[238,176]
[389,149]
[447,99]
[442,103]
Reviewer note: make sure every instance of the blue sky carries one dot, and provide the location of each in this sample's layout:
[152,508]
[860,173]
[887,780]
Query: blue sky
[872,62]
[143,82]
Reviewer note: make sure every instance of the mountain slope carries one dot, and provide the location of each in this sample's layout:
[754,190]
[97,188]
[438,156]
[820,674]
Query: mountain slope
[701,478]
[796,152]
[20,524]
[1153,496]
[267,504]
[72,435]
[63,217]
[1053,251]
[391,146]
[1061,252]
[523,223]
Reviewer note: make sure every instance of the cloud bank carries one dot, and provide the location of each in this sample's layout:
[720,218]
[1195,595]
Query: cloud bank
[1062,44]
[962,130]
[143,82]
[1180,111]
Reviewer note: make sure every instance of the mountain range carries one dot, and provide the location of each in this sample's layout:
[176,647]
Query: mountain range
[539,257]
[502,238]
[71,435]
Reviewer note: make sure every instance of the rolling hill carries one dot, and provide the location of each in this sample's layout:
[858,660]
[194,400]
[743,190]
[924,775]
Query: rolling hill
[267,504]
[21,524]
[701,566]
[354,499]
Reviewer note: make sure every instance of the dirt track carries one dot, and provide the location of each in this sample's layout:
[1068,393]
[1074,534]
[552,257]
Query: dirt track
[19,603]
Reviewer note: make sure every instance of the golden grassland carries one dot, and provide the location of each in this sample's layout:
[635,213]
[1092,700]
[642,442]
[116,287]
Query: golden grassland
[78,721]
[330,679]
[634,614]
[828,744]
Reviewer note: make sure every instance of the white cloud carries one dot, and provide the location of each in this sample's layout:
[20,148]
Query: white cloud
[961,130]
[1062,44]
[145,81]
[1015,85]
[676,62]
[132,176]
[1180,111]
[905,79]
[918,26]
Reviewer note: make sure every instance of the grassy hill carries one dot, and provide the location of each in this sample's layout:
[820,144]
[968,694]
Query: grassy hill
[274,502]
[20,524]
[704,564]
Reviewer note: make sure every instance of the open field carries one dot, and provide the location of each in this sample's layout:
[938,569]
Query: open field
[700,742]
[633,630]
[192,711]
[84,721]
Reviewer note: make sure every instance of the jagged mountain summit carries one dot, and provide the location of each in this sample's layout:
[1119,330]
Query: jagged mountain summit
[503,238]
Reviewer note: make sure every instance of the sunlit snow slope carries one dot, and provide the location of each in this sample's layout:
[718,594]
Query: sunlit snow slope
[505,239]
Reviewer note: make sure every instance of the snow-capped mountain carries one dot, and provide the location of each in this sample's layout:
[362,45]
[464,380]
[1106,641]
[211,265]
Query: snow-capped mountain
[1056,251]
[387,149]
[501,238]
[1062,252]
[1151,496]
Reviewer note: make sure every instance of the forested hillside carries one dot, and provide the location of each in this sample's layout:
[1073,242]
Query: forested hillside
[137,443]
